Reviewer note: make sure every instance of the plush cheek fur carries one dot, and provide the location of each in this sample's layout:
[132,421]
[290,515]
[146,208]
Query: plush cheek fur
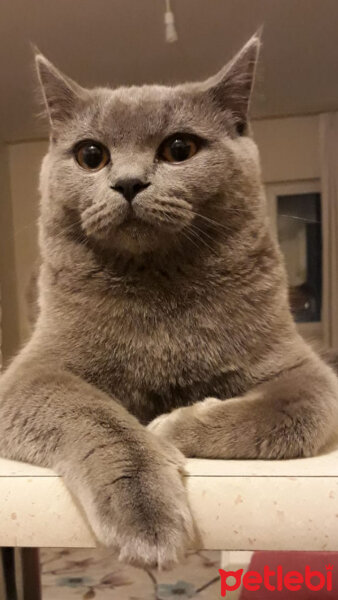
[175,305]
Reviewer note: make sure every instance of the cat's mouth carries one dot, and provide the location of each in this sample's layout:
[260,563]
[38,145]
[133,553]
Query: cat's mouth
[137,226]
[141,218]
[131,218]
[134,225]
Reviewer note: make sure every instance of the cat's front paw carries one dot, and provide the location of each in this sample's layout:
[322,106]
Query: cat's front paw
[163,425]
[145,514]
[176,425]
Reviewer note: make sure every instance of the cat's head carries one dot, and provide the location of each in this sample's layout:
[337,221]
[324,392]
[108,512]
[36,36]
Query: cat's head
[141,167]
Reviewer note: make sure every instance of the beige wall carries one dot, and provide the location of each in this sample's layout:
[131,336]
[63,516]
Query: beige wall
[9,324]
[288,147]
[289,151]
[24,166]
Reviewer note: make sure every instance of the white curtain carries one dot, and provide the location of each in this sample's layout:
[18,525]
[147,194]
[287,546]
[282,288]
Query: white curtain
[328,136]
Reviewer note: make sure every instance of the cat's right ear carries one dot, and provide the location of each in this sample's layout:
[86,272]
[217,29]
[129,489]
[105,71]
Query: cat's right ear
[61,94]
[230,89]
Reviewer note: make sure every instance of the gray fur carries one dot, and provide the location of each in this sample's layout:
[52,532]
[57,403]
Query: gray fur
[148,316]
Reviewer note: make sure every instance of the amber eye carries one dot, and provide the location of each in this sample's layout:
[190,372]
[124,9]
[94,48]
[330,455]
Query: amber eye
[91,156]
[178,148]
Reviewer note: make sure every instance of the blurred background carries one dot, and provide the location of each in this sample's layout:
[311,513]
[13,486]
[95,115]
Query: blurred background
[295,125]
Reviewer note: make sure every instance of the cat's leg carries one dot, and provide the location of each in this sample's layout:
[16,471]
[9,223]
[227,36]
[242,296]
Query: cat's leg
[128,481]
[293,414]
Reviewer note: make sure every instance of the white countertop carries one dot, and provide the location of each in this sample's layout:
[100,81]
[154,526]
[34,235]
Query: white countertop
[325,465]
[237,505]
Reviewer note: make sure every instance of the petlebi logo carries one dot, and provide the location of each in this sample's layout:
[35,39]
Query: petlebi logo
[276,580]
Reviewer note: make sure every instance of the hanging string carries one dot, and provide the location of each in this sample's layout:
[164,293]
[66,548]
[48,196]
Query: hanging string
[169,22]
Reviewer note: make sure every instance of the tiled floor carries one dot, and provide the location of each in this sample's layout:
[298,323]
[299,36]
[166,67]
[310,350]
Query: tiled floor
[96,574]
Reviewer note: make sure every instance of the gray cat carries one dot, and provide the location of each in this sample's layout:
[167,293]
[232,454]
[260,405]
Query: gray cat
[161,291]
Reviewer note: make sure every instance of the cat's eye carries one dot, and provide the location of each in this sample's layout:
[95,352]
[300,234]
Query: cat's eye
[91,155]
[179,147]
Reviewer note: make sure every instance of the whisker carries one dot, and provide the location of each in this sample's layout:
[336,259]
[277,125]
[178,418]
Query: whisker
[183,232]
[202,232]
[302,219]
[194,230]
[211,221]
[207,219]
[200,239]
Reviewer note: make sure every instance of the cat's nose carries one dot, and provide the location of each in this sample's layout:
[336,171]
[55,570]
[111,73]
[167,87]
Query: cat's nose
[130,187]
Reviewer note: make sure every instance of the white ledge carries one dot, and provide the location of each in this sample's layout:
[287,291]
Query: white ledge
[237,505]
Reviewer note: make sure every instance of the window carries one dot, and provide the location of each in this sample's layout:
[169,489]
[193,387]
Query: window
[300,239]
[295,210]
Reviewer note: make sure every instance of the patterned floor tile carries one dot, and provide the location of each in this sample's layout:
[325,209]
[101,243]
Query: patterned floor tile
[83,574]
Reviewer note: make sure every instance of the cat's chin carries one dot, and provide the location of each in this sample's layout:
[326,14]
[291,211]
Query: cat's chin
[135,237]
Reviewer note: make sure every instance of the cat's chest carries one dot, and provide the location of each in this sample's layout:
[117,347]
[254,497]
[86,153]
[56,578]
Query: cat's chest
[154,340]
[158,341]
[154,363]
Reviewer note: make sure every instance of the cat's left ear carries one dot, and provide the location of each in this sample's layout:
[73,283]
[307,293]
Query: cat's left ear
[231,87]
[61,94]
